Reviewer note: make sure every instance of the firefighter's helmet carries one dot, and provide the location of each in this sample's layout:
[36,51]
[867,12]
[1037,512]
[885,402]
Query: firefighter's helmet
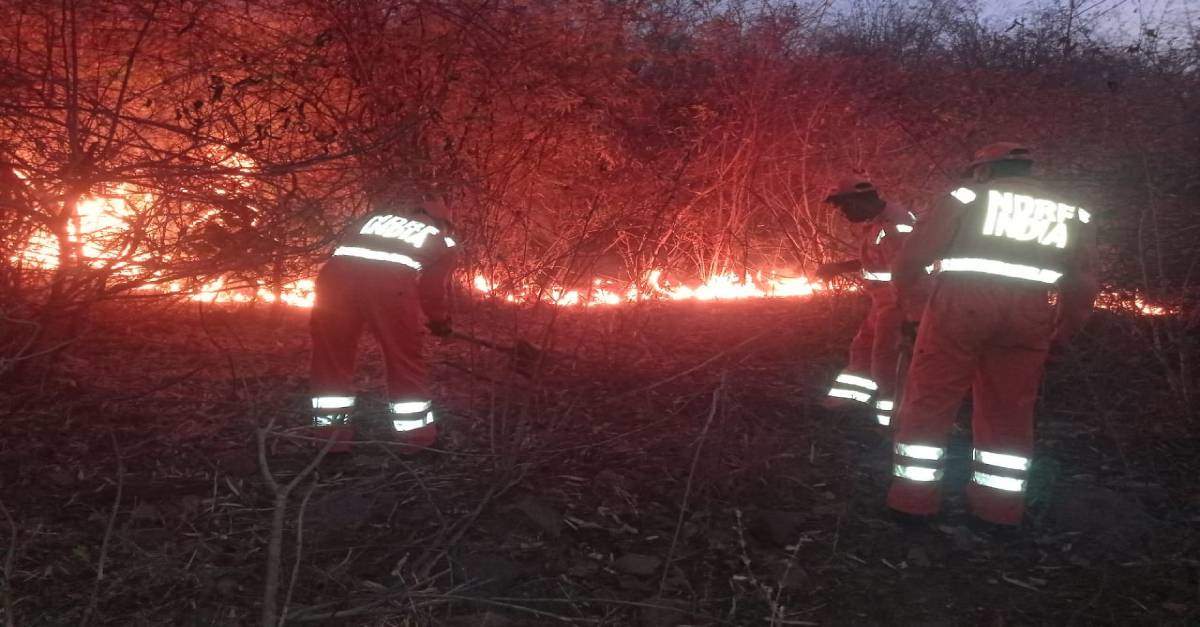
[850,187]
[999,151]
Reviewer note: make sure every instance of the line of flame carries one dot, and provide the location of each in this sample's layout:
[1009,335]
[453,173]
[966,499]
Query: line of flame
[724,286]
[101,219]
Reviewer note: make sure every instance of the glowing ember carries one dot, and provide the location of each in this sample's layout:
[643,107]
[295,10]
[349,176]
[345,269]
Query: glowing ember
[1135,304]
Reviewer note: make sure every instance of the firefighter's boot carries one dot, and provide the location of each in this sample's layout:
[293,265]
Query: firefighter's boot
[419,439]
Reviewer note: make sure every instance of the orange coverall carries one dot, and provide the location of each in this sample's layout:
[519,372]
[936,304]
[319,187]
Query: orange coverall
[870,376]
[988,326]
[386,272]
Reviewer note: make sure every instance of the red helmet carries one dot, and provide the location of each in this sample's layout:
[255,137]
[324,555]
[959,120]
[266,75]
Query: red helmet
[849,187]
[1000,151]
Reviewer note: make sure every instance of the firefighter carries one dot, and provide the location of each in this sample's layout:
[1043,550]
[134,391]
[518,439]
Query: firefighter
[870,378]
[392,266]
[1014,282]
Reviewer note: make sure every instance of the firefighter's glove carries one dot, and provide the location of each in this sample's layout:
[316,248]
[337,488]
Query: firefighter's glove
[828,271]
[908,334]
[440,327]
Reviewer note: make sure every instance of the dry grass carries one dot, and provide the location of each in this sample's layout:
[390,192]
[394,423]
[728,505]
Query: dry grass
[616,486]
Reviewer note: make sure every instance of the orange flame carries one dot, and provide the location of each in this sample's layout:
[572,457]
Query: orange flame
[1135,304]
[101,222]
[299,293]
[724,286]
[97,229]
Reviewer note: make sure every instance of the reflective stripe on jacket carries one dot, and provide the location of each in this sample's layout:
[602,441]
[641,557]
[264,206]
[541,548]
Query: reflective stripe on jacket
[406,239]
[881,240]
[1014,228]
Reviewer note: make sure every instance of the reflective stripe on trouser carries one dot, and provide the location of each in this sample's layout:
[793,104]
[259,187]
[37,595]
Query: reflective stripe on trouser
[329,420]
[998,481]
[854,382]
[874,351]
[918,464]
[409,415]
[992,338]
[853,387]
[883,411]
[354,295]
[331,409]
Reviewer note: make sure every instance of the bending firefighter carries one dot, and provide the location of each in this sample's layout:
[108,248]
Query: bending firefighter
[1007,248]
[870,377]
[393,266]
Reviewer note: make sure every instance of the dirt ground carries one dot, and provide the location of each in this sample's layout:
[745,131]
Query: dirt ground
[666,464]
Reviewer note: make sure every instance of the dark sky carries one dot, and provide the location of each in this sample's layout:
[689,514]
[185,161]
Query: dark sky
[1121,18]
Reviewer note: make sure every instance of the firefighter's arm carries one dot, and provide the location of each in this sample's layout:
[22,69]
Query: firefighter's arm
[434,286]
[827,271]
[926,244]
[1077,291]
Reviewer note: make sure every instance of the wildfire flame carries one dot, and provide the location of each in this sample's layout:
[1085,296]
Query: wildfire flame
[720,287]
[1135,304]
[724,286]
[100,222]
[95,231]
[299,293]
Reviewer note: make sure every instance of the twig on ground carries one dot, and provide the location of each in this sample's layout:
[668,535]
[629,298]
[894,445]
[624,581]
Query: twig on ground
[604,442]
[647,388]
[744,555]
[507,604]
[420,483]
[287,598]
[9,558]
[388,443]
[687,491]
[233,371]
[1018,583]
[157,388]
[6,362]
[776,602]
[275,542]
[425,563]
[429,600]
[1101,409]
[639,604]
[108,531]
